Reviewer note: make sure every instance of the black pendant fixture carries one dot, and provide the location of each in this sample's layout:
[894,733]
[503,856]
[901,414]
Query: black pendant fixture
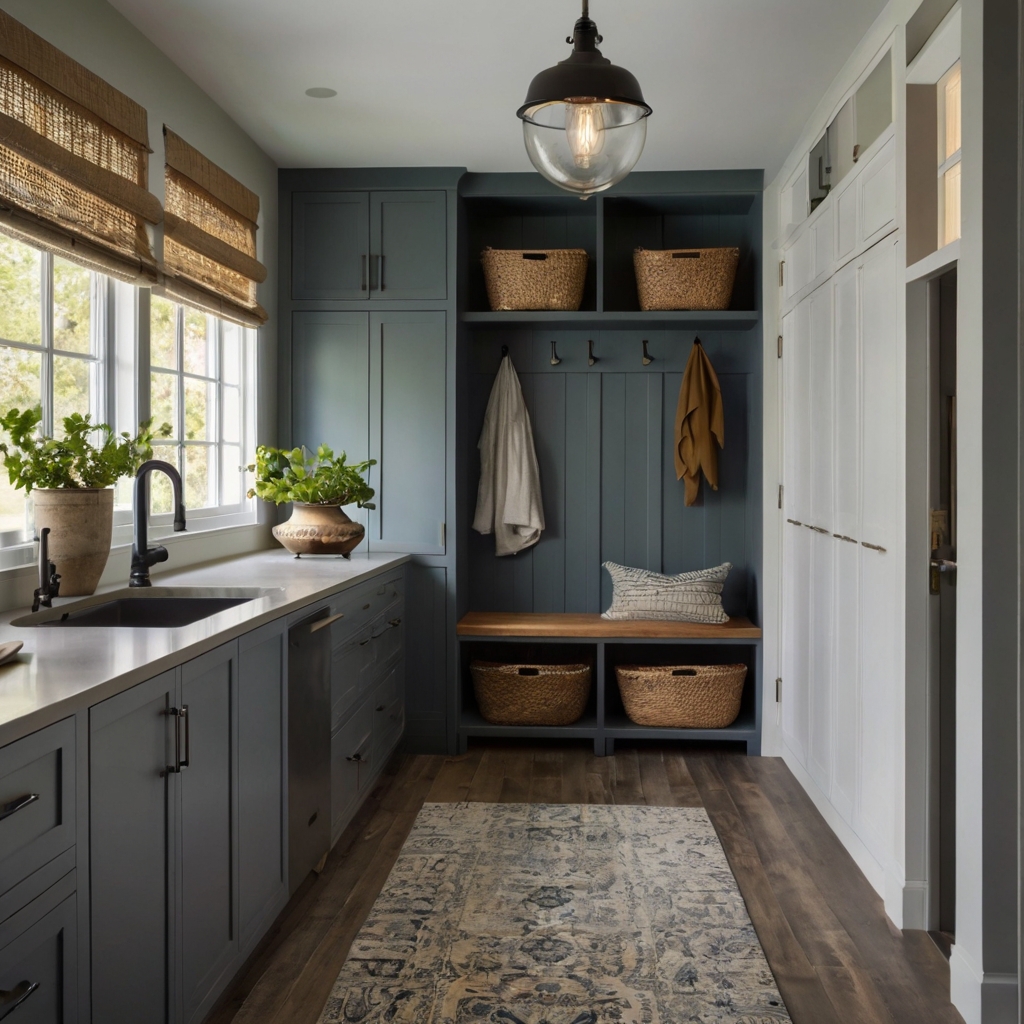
[584,120]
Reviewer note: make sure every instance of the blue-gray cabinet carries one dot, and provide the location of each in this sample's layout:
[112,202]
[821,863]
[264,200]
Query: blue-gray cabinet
[369,245]
[407,431]
[176,903]
[373,385]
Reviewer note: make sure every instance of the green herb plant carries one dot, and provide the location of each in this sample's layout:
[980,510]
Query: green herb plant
[88,455]
[320,479]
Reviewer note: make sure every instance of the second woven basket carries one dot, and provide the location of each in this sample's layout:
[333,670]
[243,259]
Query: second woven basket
[682,696]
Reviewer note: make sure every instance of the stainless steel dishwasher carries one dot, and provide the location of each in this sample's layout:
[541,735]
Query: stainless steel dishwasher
[309,745]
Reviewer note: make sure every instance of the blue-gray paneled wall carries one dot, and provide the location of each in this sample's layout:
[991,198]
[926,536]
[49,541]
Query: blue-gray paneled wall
[604,437]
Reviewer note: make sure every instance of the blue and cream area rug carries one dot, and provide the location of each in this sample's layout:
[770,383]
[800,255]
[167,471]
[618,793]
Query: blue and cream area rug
[558,914]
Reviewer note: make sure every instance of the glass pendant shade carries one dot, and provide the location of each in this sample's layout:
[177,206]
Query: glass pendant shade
[584,120]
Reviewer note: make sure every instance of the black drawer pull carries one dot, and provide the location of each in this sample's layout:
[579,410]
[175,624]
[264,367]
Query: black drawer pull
[381,707]
[12,998]
[355,757]
[16,805]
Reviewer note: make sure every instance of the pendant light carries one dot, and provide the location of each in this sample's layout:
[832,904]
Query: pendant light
[584,120]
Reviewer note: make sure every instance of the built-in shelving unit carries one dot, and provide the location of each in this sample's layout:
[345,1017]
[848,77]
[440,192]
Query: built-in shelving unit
[601,384]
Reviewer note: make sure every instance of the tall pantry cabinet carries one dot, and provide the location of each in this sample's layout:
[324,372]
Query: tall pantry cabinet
[367,367]
[842,473]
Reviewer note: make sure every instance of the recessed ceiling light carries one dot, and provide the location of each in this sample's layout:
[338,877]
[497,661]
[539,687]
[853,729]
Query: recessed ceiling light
[320,93]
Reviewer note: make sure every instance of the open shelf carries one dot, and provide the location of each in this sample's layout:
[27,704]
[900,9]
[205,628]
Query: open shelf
[683,319]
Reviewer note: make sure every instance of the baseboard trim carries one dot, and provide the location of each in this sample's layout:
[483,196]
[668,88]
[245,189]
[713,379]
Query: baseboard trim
[981,998]
[916,897]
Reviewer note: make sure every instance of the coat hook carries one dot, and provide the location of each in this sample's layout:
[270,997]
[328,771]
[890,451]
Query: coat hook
[554,355]
[591,358]
[648,358]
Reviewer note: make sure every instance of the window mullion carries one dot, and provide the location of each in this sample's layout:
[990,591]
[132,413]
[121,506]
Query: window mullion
[179,341]
[46,361]
[143,372]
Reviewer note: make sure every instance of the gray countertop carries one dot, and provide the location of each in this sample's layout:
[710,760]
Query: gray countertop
[61,670]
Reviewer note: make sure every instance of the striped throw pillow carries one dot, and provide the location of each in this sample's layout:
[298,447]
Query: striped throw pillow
[687,597]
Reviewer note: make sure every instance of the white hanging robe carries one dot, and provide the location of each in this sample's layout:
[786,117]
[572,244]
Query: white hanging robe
[508,502]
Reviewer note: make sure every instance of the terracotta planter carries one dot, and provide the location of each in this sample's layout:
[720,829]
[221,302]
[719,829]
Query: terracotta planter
[319,530]
[80,521]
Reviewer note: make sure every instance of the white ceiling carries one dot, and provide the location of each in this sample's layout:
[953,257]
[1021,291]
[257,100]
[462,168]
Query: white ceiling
[437,82]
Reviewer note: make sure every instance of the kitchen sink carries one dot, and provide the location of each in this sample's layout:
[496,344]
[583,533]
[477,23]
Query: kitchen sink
[150,608]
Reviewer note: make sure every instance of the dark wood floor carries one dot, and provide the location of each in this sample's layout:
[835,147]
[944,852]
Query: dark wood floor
[835,955]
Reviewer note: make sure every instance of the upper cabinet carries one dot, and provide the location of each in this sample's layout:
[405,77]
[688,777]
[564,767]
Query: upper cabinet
[369,245]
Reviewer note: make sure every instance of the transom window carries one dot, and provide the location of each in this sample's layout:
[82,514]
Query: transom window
[52,351]
[949,155]
[198,366]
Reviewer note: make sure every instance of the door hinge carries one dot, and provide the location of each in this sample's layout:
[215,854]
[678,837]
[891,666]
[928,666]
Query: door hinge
[780,495]
[778,690]
[780,346]
[782,273]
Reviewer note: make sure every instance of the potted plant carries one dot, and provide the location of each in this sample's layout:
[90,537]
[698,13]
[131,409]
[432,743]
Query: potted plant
[71,481]
[317,486]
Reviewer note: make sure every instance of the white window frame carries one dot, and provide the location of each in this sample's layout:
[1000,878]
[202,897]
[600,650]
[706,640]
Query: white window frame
[17,547]
[215,517]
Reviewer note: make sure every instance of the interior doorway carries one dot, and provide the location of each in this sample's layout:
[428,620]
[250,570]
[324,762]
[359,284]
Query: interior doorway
[942,588]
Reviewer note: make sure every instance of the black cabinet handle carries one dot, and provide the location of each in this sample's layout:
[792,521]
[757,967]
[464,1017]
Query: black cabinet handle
[184,763]
[381,707]
[380,272]
[16,805]
[392,624]
[12,998]
[355,757]
[363,287]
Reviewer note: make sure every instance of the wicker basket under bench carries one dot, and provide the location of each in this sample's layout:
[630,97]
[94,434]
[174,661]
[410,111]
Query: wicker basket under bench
[542,638]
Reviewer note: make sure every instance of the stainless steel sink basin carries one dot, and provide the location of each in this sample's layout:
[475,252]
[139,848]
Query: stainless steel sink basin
[150,608]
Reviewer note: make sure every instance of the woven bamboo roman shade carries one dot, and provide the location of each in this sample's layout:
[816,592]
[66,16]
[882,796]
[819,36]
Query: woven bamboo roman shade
[209,237]
[74,160]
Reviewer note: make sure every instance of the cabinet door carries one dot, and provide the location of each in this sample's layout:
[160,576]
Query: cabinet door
[408,416]
[262,827]
[206,865]
[331,386]
[330,245]
[409,236]
[131,837]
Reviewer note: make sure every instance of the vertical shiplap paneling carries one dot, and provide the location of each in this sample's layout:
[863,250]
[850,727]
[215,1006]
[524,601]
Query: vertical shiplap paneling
[614,494]
[733,511]
[547,406]
[583,401]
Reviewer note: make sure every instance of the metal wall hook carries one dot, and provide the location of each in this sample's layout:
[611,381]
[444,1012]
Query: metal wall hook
[504,351]
[591,358]
[648,358]
[554,355]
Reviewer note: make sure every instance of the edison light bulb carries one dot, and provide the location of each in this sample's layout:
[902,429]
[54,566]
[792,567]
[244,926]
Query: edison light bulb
[584,129]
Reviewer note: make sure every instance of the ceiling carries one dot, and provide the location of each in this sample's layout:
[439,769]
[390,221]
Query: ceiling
[437,82]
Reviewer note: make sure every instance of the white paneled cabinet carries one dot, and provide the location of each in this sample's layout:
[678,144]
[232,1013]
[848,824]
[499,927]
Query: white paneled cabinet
[842,467]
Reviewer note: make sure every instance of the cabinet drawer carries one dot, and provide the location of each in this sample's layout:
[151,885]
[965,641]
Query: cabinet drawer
[39,964]
[388,703]
[37,800]
[389,634]
[351,763]
[361,605]
[352,669]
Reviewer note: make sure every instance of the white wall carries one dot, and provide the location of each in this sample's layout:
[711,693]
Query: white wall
[100,38]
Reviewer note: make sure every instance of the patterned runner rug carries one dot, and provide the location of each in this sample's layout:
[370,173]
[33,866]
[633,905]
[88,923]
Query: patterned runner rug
[557,914]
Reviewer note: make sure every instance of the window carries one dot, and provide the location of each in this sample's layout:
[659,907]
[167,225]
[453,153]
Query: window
[199,369]
[52,351]
[949,155]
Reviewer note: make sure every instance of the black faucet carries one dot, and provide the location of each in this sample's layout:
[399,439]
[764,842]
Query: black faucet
[143,556]
[49,579]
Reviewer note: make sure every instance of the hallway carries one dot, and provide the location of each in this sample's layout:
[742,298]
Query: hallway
[834,954]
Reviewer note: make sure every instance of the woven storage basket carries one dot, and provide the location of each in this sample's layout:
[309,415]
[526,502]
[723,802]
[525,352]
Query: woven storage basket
[534,278]
[530,694]
[682,696]
[685,278]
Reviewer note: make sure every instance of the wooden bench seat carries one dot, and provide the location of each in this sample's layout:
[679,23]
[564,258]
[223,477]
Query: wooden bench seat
[562,624]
